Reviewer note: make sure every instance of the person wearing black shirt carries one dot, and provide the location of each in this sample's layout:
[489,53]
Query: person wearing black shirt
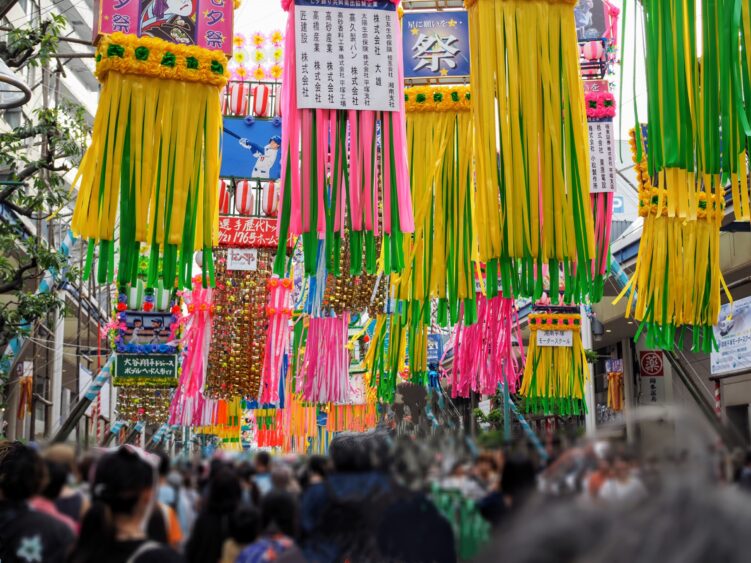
[114,528]
[26,535]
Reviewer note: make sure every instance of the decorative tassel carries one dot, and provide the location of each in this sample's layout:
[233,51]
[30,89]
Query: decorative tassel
[154,154]
[554,376]
[532,202]
[279,314]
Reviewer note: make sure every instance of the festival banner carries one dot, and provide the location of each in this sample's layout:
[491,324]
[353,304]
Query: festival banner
[146,370]
[249,232]
[733,335]
[436,44]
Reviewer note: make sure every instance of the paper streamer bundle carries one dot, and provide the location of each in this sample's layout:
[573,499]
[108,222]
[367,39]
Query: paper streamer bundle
[188,402]
[148,405]
[325,369]
[554,376]
[484,351]
[351,418]
[386,356]
[532,202]
[154,157]
[615,391]
[439,254]
[279,313]
[677,276]
[330,177]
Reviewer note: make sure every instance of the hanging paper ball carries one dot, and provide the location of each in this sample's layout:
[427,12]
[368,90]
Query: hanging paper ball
[270,198]
[148,306]
[122,306]
[261,98]
[276,71]
[276,38]
[244,197]
[593,51]
[258,39]
[198,259]
[240,56]
[239,93]
[223,197]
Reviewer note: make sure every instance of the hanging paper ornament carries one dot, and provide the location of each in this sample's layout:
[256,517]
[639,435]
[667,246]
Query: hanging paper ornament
[258,39]
[484,352]
[259,57]
[556,368]
[615,391]
[261,100]
[325,369]
[238,41]
[270,198]
[347,138]
[677,276]
[278,312]
[441,250]
[155,148]
[245,199]
[276,38]
[276,72]
[593,50]
[532,155]
[239,94]
[224,197]
[241,57]
[259,73]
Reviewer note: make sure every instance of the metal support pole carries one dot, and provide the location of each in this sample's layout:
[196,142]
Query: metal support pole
[590,419]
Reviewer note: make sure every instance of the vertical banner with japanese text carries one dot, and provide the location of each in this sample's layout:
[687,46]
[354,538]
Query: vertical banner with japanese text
[602,157]
[346,55]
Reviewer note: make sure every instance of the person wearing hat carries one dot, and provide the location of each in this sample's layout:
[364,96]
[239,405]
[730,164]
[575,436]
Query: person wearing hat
[268,165]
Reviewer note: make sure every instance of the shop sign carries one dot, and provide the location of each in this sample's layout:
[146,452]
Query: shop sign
[733,335]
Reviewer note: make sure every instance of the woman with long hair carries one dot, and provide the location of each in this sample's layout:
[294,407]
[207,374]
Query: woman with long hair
[114,528]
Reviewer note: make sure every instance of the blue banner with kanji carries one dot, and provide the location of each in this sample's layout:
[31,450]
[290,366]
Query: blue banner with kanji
[436,44]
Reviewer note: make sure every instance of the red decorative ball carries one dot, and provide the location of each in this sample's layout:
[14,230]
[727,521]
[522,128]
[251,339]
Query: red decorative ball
[148,306]
[122,306]
[176,310]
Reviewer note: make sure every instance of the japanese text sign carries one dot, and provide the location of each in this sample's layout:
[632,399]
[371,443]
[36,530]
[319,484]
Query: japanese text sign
[248,232]
[733,335]
[651,364]
[146,366]
[244,259]
[206,23]
[347,55]
[558,338]
[436,44]
[602,157]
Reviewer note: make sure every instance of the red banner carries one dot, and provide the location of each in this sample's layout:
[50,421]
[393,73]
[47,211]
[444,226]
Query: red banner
[596,86]
[248,232]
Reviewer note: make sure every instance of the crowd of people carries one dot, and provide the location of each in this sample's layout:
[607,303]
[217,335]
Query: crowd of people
[368,500]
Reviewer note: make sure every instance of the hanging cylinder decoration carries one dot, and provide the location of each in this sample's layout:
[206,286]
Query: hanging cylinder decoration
[677,276]
[154,158]
[532,155]
[239,94]
[556,367]
[341,163]
[439,254]
[245,200]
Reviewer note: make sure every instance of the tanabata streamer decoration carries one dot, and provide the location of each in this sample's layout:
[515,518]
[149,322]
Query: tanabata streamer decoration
[325,368]
[615,391]
[236,355]
[677,275]
[554,376]
[279,314]
[154,157]
[188,404]
[439,254]
[357,187]
[149,405]
[484,351]
[532,155]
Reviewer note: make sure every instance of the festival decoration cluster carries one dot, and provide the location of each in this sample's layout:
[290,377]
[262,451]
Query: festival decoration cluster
[257,56]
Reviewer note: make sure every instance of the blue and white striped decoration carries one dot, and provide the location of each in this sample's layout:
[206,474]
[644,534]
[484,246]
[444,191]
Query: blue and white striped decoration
[101,378]
[160,434]
[529,432]
[140,425]
[45,286]
[117,426]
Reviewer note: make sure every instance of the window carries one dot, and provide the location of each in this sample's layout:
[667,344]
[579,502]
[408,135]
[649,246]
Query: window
[13,117]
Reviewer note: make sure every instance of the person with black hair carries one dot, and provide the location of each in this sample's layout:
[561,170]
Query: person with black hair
[114,528]
[45,502]
[244,525]
[164,525]
[27,535]
[262,477]
[279,525]
[212,527]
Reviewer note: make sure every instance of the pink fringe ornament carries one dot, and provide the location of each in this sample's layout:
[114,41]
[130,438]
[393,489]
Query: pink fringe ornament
[325,369]
[279,313]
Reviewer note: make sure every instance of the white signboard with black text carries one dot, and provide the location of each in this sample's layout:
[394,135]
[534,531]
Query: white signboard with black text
[602,157]
[733,335]
[559,338]
[244,259]
[346,55]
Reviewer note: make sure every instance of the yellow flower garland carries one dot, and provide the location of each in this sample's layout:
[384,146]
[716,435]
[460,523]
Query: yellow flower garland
[437,99]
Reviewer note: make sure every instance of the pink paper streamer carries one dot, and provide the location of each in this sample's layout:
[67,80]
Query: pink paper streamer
[325,368]
[484,353]
[277,337]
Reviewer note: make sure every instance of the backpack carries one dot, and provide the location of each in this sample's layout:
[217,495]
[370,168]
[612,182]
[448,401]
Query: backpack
[145,547]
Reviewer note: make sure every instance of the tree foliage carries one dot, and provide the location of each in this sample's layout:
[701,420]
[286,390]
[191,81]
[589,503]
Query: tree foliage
[33,161]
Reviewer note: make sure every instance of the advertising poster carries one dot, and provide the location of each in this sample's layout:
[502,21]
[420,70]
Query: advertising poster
[733,335]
